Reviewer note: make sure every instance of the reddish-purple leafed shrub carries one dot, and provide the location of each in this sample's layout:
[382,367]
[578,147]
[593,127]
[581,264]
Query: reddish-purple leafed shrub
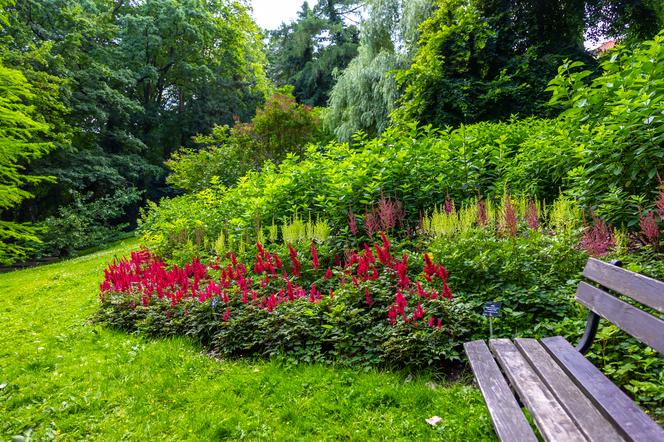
[649,228]
[597,239]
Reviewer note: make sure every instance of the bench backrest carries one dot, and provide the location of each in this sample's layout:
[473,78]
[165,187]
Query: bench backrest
[642,325]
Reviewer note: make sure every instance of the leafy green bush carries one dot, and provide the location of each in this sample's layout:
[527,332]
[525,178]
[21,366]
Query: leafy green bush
[534,276]
[605,149]
[282,126]
[87,222]
[420,167]
[617,119]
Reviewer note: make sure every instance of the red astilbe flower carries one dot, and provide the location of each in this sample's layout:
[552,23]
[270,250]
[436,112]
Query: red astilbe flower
[402,272]
[314,256]
[383,252]
[649,228]
[509,225]
[367,297]
[398,308]
[598,239]
[352,222]
[418,312]
[294,261]
[144,279]
[531,215]
[482,219]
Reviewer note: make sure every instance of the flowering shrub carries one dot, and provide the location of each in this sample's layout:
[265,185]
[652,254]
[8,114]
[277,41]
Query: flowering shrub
[304,307]
[597,240]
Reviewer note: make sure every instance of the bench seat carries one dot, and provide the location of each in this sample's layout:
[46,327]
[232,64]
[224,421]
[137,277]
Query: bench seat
[568,398]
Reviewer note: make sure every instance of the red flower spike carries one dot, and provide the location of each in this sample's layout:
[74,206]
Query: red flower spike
[314,256]
[294,261]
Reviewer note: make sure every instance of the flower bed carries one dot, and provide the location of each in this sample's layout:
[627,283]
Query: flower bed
[367,307]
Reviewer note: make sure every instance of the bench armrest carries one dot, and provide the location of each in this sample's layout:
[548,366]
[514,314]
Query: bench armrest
[591,325]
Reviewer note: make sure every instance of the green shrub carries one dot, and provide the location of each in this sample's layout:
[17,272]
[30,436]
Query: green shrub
[281,127]
[616,122]
[605,150]
[533,275]
[87,222]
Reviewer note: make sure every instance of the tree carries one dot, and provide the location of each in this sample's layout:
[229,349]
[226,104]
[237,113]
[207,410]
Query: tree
[22,139]
[489,59]
[307,52]
[140,78]
[366,92]
[630,19]
[280,128]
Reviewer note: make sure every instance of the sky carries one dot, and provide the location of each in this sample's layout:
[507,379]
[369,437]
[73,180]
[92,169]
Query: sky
[269,14]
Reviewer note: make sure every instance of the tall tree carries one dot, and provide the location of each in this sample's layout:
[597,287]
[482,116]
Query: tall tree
[631,19]
[366,92]
[307,52]
[23,138]
[489,59]
[140,79]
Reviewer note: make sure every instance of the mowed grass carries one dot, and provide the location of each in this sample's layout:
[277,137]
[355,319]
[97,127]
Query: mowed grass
[63,378]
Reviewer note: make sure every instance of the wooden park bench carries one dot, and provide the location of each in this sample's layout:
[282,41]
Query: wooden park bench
[568,398]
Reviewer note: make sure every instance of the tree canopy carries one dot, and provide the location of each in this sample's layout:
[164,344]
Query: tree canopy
[139,79]
[307,52]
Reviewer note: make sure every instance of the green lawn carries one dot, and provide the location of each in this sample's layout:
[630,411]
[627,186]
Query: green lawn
[63,378]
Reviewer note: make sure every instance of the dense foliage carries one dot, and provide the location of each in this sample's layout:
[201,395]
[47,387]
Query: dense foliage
[307,52]
[23,138]
[365,93]
[618,121]
[381,306]
[281,127]
[481,60]
[134,81]
[596,151]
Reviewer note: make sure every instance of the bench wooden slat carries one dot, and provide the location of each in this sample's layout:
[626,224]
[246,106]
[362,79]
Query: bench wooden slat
[631,421]
[581,409]
[642,325]
[645,290]
[508,419]
[551,418]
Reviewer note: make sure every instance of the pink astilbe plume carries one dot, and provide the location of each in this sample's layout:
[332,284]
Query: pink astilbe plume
[389,212]
[449,204]
[598,239]
[352,222]
[531,215]
[649,228]
[660,202]
[371,223]
[509,225]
